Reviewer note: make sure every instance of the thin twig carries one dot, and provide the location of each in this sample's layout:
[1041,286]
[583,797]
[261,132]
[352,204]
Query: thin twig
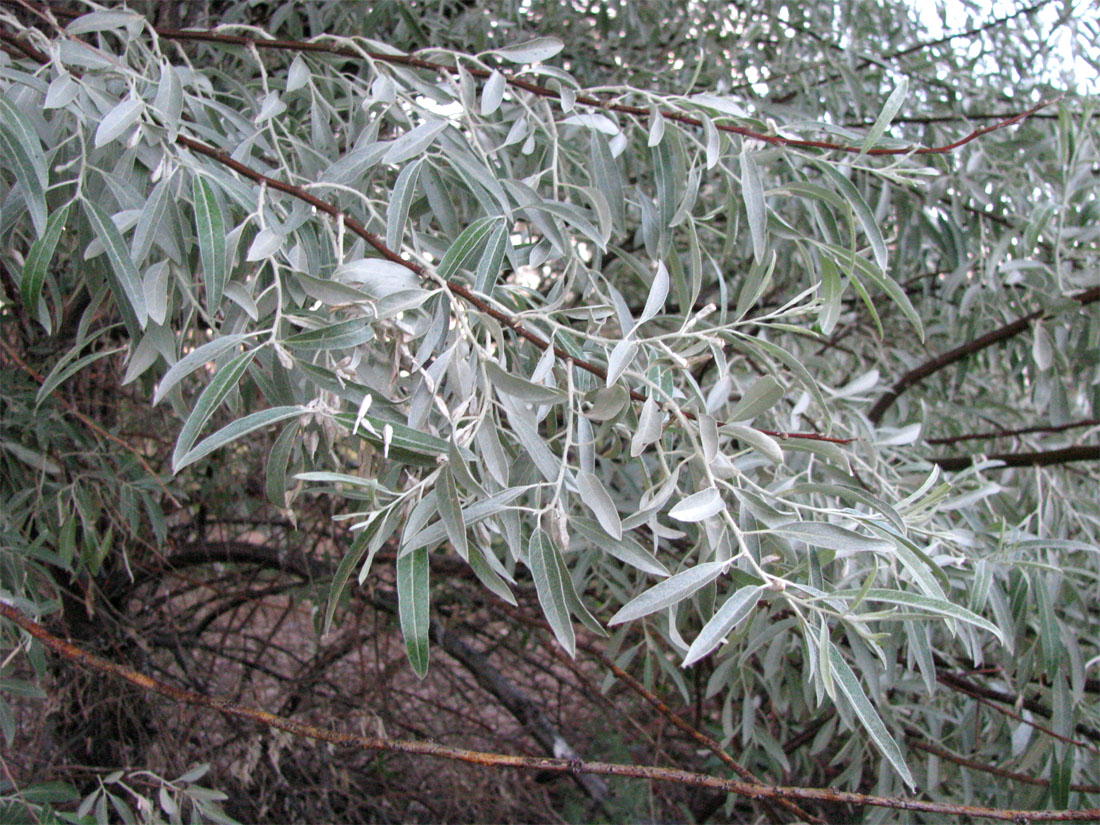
[1042,428]
[974,764]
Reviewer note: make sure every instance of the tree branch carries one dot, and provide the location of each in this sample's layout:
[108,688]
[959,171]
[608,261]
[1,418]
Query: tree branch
[1043,428]
[500,760]
[1083,452]
[974,764]
[1005,332]
[585,100]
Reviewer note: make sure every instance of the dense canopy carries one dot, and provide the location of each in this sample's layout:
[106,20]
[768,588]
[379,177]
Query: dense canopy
[742,356]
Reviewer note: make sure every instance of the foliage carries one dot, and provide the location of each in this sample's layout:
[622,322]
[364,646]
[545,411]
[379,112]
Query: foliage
[626,307]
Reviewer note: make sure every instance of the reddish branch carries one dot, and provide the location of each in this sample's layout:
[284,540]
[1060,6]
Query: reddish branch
[1005,332]
[499,760]
[1044,428]
[208,36]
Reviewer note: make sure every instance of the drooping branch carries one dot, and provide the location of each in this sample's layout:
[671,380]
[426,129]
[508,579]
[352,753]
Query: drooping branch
[1066,455]
[414,747]
[936,364]
[584,100]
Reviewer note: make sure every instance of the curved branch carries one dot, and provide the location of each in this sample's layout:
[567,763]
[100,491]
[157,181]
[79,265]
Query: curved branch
[500,760]
[1005,332]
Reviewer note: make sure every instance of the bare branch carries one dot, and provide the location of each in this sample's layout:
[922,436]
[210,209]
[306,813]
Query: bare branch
[500,760]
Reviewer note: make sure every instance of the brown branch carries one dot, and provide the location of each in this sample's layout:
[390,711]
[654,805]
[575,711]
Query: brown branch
[1082,452]
[977,691]
[974,764]
[1003,333]
[1044,428]
[500,760]
[208,36]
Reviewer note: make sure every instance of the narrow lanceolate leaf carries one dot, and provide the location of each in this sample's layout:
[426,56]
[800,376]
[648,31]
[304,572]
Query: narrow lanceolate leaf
[521,388]
[341,335]
[450,512]
[488,266]
[193,360]
[412,607]
[118,120]
[551,589]
[238,429]
[761,442]
[464,247]
[669,592]
[415,143]
[759,398]
[599,502]
[621,356]
[833,537]
[223,383]
[889,109]
[752,190]
[38,259]
[19,143]
[863,212]
[927,604]
[656,126]
[625,549]
[266,243]
[658,292]
[846,679]
[397,212]
[729,615]
[278,459]
[493,93]
[126,282]
[404,443]
[650,426]
[531,51]
[698,506]
[151,220]
[343,571]
[210,229]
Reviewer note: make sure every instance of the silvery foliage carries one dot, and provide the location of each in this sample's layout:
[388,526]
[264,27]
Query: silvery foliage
[741,290]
